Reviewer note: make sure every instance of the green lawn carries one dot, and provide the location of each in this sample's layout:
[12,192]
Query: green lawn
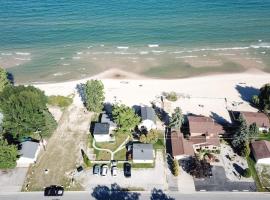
[119,139]
[120,155]
[143,165]
[264,136]
[251,165]
[160,144]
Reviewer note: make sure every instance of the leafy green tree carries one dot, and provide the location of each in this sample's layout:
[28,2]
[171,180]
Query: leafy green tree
[125,118]
[25,112]
[150,137]
[264,97]
[8,155]
[94,91]
[60,101]
[255,100]
[3,79]
[177,118]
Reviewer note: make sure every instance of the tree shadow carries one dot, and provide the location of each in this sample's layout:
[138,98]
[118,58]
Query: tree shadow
[102,192]
[158,194]
[10,77]
[247,92]
[219,119]
[81,90]
[161,114]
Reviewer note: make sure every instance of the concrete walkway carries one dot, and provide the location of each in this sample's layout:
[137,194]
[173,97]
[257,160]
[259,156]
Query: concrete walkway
[122,146]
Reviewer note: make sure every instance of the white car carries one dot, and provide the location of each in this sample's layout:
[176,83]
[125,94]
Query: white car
[104,170]
[114,171]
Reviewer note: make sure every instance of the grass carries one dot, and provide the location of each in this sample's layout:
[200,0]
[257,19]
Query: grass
[265,176]
[160,144]
[120,155]
[251,165]
[119,139]
[264,136]
[60,101]
[143,165]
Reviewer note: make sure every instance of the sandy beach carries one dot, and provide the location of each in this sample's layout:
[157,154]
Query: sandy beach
[216,93]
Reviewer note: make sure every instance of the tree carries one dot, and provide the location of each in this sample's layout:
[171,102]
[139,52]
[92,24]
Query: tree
[8,155]
[255,100]
[253,131]
[150,137]
[264,97]
[25,112]
[199,168]
[94,91]
[241,134]
[125,118]
[175,168]
[3,79]
[177,119]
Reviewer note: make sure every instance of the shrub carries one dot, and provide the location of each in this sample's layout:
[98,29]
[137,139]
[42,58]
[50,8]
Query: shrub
[60,101]
[175,168]
[247,173]
[171,96]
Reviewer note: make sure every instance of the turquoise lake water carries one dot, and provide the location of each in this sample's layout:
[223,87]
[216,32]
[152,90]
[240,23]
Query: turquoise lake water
[63,39]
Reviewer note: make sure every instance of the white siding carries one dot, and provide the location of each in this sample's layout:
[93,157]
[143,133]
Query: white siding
[143,161]
[148,124]
[264,161]
[102,138]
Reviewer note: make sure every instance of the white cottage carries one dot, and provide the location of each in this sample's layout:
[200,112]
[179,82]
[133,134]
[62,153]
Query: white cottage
[148,119]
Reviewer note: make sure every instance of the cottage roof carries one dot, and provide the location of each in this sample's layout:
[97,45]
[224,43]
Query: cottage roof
[101,129]
[143,151]
[261,149]
[148,113]
[29,149]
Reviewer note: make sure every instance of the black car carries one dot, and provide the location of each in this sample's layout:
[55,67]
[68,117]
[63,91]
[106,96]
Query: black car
[54,190]
[127,169]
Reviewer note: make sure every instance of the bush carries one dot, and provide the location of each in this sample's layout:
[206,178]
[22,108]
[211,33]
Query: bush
[171,96]
[247,173]
[60,101]
[175,168]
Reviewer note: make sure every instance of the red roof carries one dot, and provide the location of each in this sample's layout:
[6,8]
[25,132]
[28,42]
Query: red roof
[259,118]
[180,146]
[260,149]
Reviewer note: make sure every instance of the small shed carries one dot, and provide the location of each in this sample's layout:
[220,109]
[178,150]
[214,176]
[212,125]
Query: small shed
[148,118]
[143,153]
[102,132]
[28,153]
[261,151]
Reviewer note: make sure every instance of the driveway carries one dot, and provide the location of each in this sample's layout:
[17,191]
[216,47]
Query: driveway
[140,178]
[12,180]
[219,182]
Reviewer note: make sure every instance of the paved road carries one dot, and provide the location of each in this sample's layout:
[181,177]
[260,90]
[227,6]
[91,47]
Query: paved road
[158,195]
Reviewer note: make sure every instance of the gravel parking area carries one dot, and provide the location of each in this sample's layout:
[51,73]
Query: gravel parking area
[140,178]
[219,182]
[12,180]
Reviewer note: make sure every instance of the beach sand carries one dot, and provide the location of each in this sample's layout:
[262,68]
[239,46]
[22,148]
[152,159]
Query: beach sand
[209,91]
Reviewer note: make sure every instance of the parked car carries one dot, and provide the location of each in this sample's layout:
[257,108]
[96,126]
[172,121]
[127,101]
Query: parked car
[113,163]
[127,169]
[96,170]
[114,170]
[104,170]
[54,190]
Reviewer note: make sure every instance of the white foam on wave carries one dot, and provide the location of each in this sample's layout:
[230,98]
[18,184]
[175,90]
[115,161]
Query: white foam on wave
[66,64]
[23,59]
[158,51]
[262,45]
[89,47]
[144,52]
[6,54]
[60,73]
[62,58]
[153,45]
[187,57]
[76,58]
[123,53]
[122,47]
[23,53]
[79,53]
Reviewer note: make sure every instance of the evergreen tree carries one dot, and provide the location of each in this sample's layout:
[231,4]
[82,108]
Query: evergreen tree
[264,97]
[177,118]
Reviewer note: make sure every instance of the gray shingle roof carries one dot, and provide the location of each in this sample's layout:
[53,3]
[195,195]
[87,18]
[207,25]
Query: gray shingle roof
[143,151]
[29,149]
[106,119]
[148,113]
[101,129]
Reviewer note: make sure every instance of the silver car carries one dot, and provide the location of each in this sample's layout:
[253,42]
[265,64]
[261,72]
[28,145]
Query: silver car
[114,170]
[104,170]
